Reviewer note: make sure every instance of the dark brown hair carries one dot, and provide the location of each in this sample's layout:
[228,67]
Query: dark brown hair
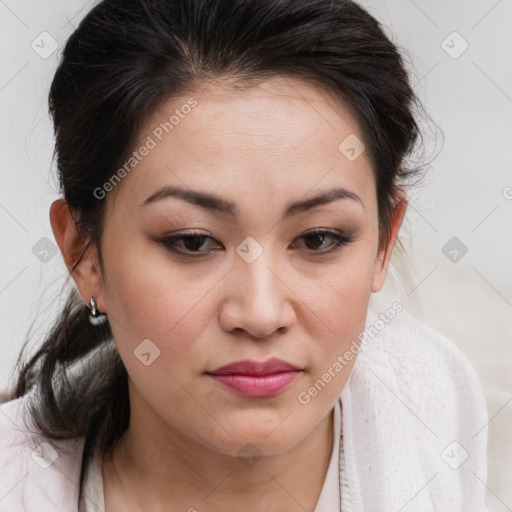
[124,59]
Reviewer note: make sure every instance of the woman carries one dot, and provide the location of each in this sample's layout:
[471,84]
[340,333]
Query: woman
[233,177]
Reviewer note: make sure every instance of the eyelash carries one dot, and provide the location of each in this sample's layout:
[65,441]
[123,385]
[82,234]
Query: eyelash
[170,242]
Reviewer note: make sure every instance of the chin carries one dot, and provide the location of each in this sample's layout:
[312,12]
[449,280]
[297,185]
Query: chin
[253,442]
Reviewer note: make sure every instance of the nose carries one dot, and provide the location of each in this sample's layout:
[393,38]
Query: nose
[259,301]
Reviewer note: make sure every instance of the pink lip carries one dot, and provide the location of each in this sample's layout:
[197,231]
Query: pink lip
[255,379]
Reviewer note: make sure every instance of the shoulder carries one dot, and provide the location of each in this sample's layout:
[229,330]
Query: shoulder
[414,402]
[425,369]
[39,473]
[417,358]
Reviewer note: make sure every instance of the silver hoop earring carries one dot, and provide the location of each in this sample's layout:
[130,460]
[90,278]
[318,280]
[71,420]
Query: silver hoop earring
[95,316]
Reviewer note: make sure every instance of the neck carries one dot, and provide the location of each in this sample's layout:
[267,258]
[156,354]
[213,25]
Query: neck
[144,465]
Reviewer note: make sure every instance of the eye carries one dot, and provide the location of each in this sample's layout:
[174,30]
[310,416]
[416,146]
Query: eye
[187,244]
[195,244]
[317,238]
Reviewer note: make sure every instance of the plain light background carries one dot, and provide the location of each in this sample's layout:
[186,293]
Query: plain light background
[459,54]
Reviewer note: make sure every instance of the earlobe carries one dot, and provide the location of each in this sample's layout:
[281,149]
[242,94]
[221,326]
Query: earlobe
[384,254]
[73,247]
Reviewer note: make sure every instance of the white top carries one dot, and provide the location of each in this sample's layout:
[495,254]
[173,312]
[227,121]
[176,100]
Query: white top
[414,430]
[328,501]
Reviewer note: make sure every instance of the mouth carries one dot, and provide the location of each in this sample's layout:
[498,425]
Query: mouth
[256,379]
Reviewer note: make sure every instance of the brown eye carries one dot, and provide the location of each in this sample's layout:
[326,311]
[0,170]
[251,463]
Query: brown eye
[197,244]
[187,244]
[323,241]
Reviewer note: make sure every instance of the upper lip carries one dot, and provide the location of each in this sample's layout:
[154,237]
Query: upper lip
[248,367]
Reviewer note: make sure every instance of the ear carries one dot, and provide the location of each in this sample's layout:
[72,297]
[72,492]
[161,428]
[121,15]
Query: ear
[72,243]
[384,255]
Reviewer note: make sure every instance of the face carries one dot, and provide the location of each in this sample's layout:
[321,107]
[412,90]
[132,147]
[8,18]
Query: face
[257,278]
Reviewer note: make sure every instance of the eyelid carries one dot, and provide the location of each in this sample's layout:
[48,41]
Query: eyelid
[168,240]
[340,241]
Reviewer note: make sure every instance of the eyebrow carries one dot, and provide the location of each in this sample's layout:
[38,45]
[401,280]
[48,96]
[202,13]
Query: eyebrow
[213,202]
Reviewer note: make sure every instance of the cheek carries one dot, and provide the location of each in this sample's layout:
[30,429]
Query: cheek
[343,304]
[151,297]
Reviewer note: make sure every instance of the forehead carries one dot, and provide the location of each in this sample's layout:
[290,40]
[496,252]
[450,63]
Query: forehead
[283,134]
[291,109]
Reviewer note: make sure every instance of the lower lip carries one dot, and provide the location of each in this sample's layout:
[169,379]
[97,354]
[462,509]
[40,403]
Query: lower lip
[253,386]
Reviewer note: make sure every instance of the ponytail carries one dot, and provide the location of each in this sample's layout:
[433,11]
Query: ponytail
[76,383]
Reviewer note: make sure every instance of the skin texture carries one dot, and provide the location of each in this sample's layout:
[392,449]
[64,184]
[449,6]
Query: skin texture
[261,148]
